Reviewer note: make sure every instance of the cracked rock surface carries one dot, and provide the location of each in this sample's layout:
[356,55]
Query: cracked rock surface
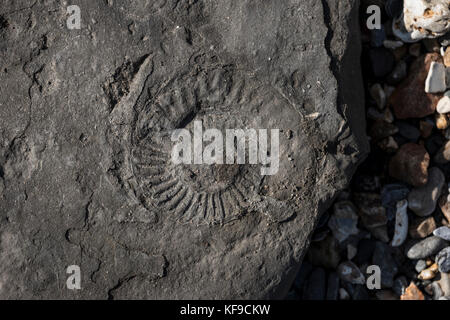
[85,177]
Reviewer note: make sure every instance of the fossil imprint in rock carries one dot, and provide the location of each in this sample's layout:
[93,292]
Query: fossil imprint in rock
[422,19]
[219,97]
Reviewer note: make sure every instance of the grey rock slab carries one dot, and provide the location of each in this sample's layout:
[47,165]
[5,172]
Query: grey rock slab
[84,148]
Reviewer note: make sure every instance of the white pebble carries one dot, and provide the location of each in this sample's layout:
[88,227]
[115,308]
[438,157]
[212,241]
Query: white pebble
[435,82]
[401,224]
[443,105]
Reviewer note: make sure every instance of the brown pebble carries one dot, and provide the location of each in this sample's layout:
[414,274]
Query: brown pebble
[444,205]
[421,227]
[410,100]
[412,293]
[426,128]
[410,164]
[429,273]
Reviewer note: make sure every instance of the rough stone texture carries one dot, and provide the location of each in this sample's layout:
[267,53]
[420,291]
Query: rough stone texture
[82,110]
[409,99]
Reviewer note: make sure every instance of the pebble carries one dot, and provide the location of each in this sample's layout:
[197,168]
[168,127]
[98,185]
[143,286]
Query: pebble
[420,265]
[443,105]
[414,49]
[382,129]
[422,200]
[371,210]
[426,19]
[409,99]
[443,260]
[429,273]
[392,44]
[412,293]
[441,121]
[426,248]
[422,227]
[444,205]
[399,73]
[375,114]
[410,164]
[390,195]
[443,233]
[377,94]
[378,36]
[443,155]
[382,257]
[435,82]
[349,272]
[445,283]
[324,253]
[388,145]
[426,128]
[400,285]
[343,294]
[344,220]
[401,224]
[447,57]
[408,131]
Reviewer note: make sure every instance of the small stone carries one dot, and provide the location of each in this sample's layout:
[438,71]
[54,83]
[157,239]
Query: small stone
[441,121]
[333,286]
[443,155]
[443,260]
[422,200]
[436,290]
[412,293]
[447,57]
[377,94]
[324,253]
[371,210]
[388,145]
[420,265]
[375,114]
[426,128]
[399,73]
[422,228]
[435,82]
[349,272]
[381,129]
[343,294]
[400,285]
[444,205]
[408,131]
[443,233]
[426,248]
[445,283]
[382,257]
[410,164]
[414,49]
[392,44]
[401,224]
[344,220]
[443,105]
[409,99]
[390,195]
[429,273]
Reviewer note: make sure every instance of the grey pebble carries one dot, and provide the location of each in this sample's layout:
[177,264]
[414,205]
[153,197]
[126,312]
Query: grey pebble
[443,260]
[426,248]
[420,265]
[443,233]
